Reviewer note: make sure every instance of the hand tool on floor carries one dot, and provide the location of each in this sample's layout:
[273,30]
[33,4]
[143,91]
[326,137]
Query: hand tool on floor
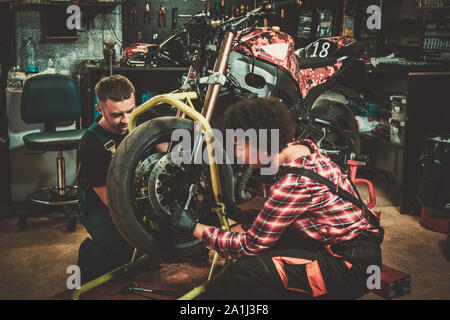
[147,12]
[133,288]
[161,16]
[133,20]
[125,291]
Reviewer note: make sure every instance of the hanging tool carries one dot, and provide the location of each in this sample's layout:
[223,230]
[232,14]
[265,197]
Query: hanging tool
[237,12]
[216,12]
[161,16]
[208,9]
[231,14]
[155,37]
[133,19]
[147,12]
[174,18]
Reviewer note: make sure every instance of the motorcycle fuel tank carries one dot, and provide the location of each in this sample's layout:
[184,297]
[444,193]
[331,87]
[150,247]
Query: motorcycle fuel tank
[273,46]
[265,69]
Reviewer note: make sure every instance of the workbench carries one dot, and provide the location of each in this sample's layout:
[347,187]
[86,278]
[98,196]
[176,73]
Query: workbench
[427,112]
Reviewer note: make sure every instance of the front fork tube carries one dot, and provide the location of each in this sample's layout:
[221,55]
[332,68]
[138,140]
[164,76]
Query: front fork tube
[203,130]
[219,67]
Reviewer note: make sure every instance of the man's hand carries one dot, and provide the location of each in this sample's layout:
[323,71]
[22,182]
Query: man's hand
[181,222]
[230,206]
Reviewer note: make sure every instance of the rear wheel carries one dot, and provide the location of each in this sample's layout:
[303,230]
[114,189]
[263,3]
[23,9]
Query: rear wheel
[144,183]
[348,139]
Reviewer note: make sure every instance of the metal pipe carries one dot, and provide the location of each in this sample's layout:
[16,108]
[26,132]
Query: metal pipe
[219,67]
[61,174]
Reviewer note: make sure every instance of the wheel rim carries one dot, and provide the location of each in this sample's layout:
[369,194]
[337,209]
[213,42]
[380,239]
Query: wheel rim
[149,181]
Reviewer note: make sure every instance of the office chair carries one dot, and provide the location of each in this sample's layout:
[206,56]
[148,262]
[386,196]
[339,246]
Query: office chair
[48,99]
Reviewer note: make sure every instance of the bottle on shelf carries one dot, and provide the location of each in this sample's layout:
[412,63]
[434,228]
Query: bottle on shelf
[30,56]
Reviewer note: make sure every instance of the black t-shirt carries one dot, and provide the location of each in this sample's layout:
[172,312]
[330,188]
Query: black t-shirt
[95,159]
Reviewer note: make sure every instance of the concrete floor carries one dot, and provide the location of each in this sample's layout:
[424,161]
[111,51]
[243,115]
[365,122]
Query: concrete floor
[33,262]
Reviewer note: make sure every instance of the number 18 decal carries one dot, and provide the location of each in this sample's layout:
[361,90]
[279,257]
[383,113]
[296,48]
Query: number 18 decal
[323,52]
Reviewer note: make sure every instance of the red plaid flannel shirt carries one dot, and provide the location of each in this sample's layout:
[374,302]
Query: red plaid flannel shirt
[298,203]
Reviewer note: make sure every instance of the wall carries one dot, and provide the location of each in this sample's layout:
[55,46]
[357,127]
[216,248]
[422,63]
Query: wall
[66,55]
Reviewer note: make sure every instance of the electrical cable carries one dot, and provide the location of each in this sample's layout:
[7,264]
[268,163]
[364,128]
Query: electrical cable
[113,32]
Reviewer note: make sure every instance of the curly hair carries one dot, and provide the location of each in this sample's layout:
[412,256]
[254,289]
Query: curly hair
[261,113]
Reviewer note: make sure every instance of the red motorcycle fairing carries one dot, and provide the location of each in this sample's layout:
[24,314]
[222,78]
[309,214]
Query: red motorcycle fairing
[311,77]
[268,44]
[340,41]
[278,48]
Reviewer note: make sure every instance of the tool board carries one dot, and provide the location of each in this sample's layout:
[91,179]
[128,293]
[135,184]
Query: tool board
[152,32]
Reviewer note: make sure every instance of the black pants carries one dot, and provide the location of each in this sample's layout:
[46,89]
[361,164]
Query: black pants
[106,250]
[306,271]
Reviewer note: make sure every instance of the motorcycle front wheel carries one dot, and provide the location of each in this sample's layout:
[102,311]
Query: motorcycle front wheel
[144,183]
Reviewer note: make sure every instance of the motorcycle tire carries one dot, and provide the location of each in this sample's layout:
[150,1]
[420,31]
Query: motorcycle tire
[120,181]
[344,116]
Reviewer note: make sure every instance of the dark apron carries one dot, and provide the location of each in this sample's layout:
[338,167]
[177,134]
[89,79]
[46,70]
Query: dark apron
[107,249]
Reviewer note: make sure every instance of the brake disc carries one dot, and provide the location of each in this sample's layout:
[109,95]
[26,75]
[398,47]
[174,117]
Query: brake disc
[141,182]
[162,183]
[167,184]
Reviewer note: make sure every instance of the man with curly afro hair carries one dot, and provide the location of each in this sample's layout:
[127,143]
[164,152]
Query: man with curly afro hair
[262,114]
[310,240]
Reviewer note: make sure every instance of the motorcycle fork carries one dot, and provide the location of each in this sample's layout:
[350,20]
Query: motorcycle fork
[207,111]
[202,125]
[220,67]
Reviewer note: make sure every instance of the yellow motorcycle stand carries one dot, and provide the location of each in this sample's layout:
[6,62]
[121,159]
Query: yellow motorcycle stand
[177,100]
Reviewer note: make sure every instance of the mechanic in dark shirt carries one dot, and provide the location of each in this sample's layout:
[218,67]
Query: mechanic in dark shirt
[107,249]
